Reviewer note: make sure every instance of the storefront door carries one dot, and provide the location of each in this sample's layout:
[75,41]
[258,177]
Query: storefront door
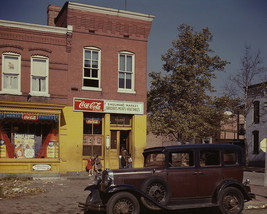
[120,140]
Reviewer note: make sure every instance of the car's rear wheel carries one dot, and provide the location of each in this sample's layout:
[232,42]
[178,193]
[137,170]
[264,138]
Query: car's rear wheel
[123,203]
[231,201]
[158,189]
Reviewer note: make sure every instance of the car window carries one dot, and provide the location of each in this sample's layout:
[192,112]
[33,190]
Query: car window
[209,158]
[181,159]
[155,159]
[230,157]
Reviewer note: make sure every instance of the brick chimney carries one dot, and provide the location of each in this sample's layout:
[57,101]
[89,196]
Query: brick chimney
[52,13]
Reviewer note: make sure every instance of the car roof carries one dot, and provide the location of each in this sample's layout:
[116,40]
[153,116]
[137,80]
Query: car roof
[193,146]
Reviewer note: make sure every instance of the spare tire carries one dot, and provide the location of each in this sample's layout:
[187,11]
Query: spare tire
[158,189]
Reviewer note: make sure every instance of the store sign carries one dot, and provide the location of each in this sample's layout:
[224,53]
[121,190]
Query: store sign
[88,105]
[92,121]
[30,117]
[120,107]
[13,116]
[108,106]
[41,167]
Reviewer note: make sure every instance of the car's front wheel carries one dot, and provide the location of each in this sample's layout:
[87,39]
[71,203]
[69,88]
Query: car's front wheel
[231,201]
[123,203]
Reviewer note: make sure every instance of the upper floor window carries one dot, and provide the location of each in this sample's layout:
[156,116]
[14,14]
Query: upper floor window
[256,112]
[91,68]
[256,142]
[39,75]
[126,72]
[11,73]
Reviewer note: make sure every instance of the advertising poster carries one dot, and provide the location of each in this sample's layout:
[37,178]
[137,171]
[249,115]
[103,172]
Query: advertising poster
[51,150]
[95,140]
[3,152]
[24,145]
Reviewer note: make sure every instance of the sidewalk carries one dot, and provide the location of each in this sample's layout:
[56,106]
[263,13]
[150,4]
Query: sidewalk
[257,187]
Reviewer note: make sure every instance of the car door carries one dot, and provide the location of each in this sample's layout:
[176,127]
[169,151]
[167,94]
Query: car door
[210,172]
[181,173]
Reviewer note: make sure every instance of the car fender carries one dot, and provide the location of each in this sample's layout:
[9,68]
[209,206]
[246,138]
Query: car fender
[95,193]
[135,191]
[228,183]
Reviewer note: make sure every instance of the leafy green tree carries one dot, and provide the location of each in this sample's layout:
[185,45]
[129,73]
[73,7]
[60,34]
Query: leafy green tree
[179,101]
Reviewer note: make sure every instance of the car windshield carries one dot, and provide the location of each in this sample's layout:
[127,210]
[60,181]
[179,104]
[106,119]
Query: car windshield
[155,159]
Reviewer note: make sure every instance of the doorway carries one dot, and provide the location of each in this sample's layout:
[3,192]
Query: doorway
[120,139]
[124,140]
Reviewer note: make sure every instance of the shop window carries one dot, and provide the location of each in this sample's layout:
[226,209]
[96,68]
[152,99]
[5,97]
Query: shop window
[11,73]
[22,138]
[91,69]
[126,72]
[92,134]
[39,75]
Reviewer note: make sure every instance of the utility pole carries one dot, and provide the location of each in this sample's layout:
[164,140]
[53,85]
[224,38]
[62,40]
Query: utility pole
[125,5]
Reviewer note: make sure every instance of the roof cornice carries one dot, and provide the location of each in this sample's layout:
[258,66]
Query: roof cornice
[34,27]
[110,11]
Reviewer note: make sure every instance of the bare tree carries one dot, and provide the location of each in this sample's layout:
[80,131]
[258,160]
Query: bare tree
[251,72]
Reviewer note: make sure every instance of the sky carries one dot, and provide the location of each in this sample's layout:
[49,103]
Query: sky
[233,24]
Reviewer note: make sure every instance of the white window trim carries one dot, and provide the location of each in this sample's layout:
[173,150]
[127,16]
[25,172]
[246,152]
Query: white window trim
[41,93]
[87,88]
[10,91]
[124,90]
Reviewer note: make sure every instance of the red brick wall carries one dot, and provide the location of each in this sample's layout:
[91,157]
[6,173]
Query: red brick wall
[111,34]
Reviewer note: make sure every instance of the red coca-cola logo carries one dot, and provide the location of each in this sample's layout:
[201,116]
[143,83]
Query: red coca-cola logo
[89,105]
[92,121]
[30,117]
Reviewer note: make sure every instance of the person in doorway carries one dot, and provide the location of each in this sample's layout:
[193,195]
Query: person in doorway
[89,166]
[97,166]
[130,161]
[124,155]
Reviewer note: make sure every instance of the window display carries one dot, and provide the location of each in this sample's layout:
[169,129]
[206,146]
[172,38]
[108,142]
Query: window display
[25,136]
[92,134]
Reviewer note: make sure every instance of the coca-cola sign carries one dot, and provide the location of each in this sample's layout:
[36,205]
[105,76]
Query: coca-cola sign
[30,117]
[88,105]
[92,121]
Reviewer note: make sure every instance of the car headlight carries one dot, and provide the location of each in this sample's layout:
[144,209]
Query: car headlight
[107,178]
[97,180]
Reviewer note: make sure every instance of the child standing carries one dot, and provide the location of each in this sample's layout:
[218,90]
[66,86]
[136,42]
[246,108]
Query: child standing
[89,167]
[130,161]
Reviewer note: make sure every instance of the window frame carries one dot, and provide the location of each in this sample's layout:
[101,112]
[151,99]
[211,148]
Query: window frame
[132,89]
[11,91]
[92,134]
[256,112]
[40,93]
[208,164]
[255,142]
[99,70]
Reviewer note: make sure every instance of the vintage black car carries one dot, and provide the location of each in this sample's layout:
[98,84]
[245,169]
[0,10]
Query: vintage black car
[175,177]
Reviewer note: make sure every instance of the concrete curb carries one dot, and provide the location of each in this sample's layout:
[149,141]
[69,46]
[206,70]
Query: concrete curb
[255,206]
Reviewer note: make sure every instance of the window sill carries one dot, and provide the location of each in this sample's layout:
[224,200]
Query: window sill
[29,160]
[126,91]
[91,89]
[37,94]
[11,92]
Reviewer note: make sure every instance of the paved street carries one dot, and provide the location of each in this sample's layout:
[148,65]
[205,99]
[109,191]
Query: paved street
[64,194]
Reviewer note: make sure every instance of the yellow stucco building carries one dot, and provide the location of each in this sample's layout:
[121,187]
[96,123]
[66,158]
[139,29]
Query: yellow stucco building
[73,89]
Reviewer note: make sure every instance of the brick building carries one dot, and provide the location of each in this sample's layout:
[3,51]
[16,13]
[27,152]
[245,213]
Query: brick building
[72,89]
